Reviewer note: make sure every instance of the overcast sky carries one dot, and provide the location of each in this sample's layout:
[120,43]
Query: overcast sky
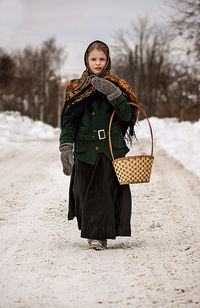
[74,24]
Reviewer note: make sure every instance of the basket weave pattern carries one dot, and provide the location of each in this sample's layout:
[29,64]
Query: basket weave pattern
[133,169]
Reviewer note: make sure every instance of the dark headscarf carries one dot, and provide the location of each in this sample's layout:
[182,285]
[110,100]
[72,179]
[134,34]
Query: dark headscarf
[87,75]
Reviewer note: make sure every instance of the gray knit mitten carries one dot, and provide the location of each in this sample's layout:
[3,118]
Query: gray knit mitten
[67,157]
[106,87]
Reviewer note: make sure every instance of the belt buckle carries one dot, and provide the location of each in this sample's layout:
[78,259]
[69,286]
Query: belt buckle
[99,134]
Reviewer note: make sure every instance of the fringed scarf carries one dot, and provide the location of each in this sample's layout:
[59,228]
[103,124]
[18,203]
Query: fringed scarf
[80,93]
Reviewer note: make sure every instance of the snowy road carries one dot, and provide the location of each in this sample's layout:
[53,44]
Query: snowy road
[45,263]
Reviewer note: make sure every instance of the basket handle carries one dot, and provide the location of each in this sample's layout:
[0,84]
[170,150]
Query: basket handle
[111,118]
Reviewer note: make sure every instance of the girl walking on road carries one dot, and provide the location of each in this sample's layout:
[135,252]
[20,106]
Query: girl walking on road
[100,204]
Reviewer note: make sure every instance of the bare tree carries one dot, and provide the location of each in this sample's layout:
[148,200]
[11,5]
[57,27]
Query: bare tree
[141,56]
[37,80]
[7,74]
[7,68]
[185,18]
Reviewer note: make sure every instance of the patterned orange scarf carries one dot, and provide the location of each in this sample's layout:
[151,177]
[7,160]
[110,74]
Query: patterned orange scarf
[74,95]
[77,96]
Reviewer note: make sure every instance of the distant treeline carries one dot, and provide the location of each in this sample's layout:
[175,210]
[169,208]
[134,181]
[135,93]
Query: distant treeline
[163,64]
[30,82]
[164,74]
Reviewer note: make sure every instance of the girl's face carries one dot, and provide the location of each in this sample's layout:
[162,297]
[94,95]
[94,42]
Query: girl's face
[97,60]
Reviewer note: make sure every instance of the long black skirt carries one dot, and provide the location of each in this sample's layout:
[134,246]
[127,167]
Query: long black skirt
[101,205]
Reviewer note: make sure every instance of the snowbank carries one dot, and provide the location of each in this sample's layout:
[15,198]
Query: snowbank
[18,128]
[179,139]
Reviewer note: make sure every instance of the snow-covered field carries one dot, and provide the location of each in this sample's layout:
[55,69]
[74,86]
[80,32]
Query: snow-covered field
[179,139]
[45,263]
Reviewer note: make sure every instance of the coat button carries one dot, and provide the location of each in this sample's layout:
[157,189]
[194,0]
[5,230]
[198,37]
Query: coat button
[96,148]
[93,113]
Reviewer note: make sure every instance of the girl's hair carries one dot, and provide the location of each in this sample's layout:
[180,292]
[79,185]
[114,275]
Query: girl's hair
[99,45]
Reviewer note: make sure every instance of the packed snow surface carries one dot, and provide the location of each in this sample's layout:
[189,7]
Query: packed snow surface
[43,260]
[179,139]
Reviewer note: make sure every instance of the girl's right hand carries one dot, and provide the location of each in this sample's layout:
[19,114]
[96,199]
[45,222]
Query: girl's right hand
[67,157]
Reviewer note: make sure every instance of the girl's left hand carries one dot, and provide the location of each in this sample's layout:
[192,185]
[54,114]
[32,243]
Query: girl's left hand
[106,87]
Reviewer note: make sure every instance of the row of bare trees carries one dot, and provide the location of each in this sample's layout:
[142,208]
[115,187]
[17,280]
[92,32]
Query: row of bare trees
[163,70]
[30,81]
[162,64]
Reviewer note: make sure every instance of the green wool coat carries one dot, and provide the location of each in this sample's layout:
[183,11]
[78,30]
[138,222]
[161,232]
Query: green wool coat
[84,133]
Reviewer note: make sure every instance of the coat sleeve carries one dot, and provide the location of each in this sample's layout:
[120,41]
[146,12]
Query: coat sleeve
[68,132]
[122,108]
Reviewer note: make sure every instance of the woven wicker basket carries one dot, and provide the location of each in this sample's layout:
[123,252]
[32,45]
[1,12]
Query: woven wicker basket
[132,169]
